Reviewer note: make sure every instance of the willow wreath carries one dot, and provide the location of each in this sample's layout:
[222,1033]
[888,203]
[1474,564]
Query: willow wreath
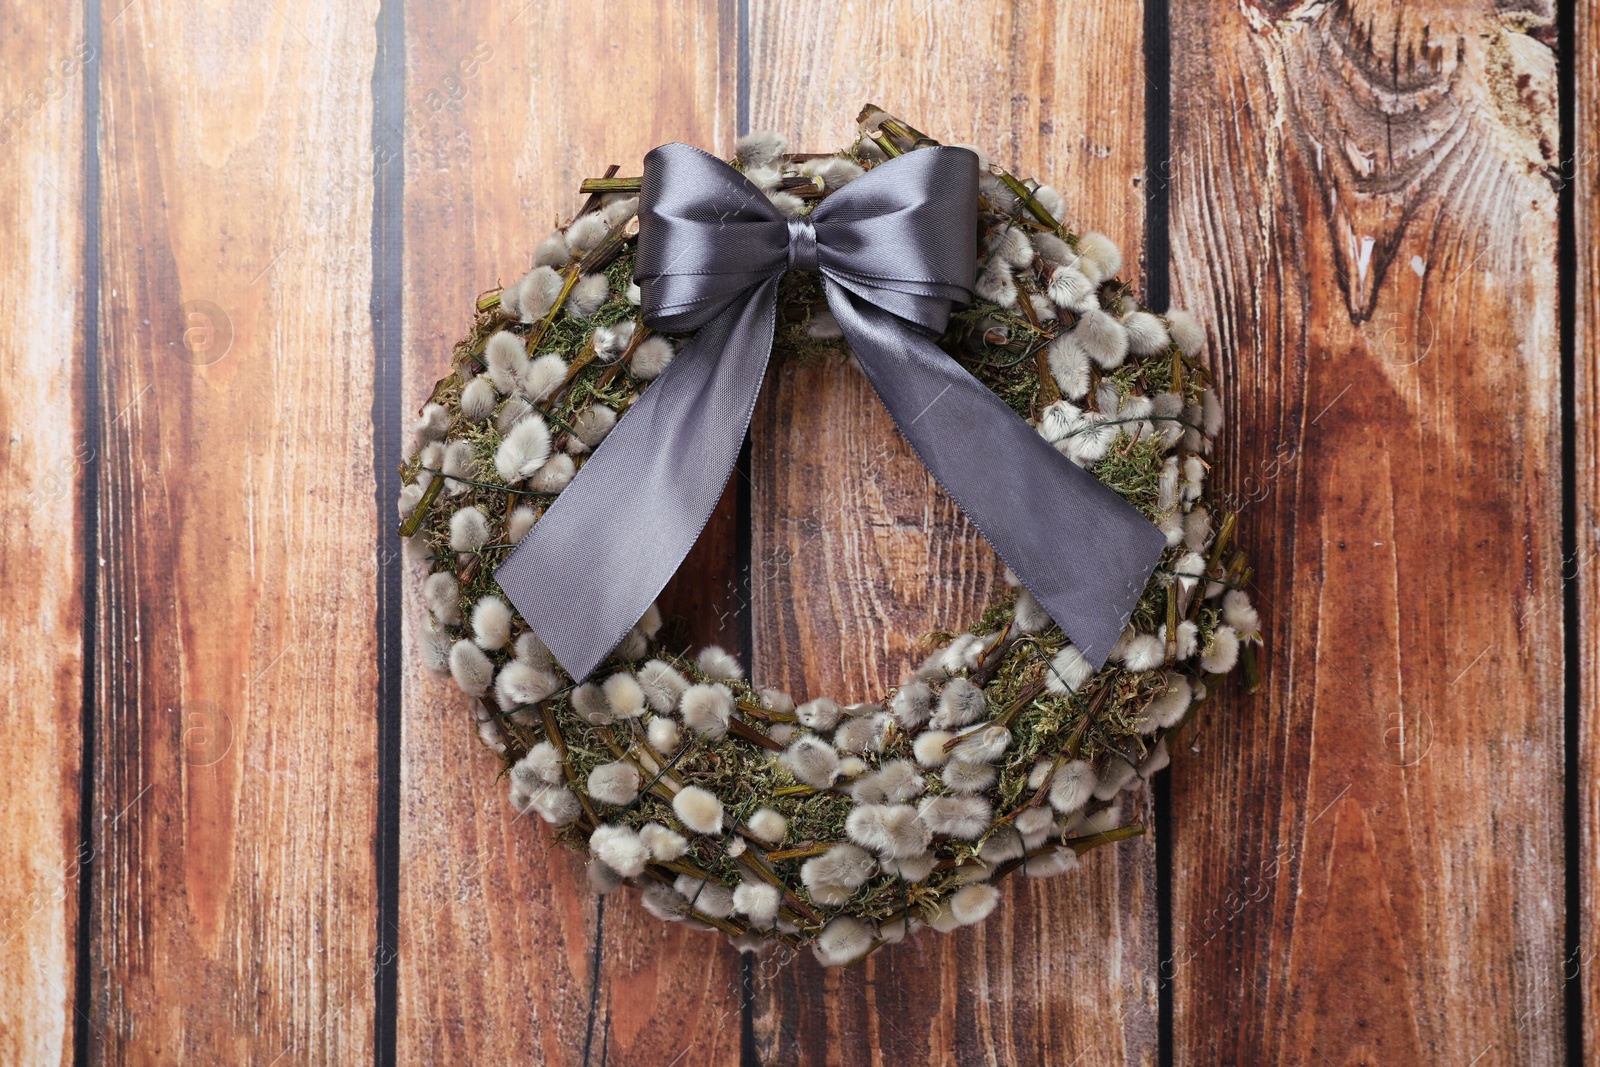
[841,827]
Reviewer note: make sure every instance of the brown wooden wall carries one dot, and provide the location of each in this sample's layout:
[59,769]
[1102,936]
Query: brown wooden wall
[239,825]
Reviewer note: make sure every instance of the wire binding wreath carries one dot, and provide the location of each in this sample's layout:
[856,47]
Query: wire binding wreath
[841,827]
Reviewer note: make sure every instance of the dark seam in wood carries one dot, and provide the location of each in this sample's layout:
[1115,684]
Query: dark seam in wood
[594,975]
[89,508]
[1567,300]
[1157,285]
[388,198]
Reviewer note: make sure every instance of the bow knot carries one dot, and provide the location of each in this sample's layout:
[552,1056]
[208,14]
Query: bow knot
[802,245]
[895,248]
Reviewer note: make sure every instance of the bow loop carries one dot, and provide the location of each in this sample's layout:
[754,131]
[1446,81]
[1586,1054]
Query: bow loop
[707,236]
[905,236]
[895,248]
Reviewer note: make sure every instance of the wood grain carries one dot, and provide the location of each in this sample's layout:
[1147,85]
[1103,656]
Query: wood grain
[506,953]
[1369,857]
[233,911]
[1580,167]
[856,552]
[45,64]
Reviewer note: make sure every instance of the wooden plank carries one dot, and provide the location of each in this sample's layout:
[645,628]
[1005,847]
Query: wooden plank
[1368,861]
[857,554]
[233,912]
[506,953]
[45,63]
[1581,168]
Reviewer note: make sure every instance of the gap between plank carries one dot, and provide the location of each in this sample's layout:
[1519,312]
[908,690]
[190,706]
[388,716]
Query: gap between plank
[1567,299]
[1158,294]
[89,506]
[744,537]
[741,74]
[594,974]
[388,198]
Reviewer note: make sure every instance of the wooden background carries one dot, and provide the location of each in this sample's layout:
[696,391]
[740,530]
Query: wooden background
[238,825]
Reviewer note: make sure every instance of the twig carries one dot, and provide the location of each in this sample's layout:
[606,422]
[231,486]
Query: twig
[595,194]
[609,184]
[1025,195]
[752,861]
[1171,655]
[756,711]
[1252,669]
[800,852]
[483,485]
[749,733]
[413,521]
[1023,699]
[1049,392]
[552,730]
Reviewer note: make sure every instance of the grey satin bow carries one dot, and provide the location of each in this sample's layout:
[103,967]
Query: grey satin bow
[895,248]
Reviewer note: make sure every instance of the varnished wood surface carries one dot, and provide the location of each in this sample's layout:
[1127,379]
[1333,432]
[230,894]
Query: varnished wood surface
[1580,176]
[1369,864]
[857,553]
[1386,856]
[517,960]
[231,916]
[46,456]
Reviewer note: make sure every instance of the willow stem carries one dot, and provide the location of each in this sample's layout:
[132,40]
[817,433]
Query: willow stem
[1172,627]
[756,711]
[1252,669]
[611,185]
[753,862]
[1080,845]
[485,485]
[1023,699]
[552,730]
[1224,535]
[567,282]
[886,145]
[1024,194]
[413,521]
[1049,392]
[800,852]
[739,728]
[594,195]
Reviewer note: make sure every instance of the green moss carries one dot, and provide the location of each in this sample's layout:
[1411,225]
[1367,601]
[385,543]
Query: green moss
[1132,468]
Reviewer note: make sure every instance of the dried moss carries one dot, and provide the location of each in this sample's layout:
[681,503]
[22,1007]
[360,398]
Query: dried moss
[1132,468]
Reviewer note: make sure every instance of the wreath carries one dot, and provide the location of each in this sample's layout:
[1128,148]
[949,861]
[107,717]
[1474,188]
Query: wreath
[840,827]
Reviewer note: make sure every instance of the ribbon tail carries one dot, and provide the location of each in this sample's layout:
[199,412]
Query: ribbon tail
[595,561]
[1080,549]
